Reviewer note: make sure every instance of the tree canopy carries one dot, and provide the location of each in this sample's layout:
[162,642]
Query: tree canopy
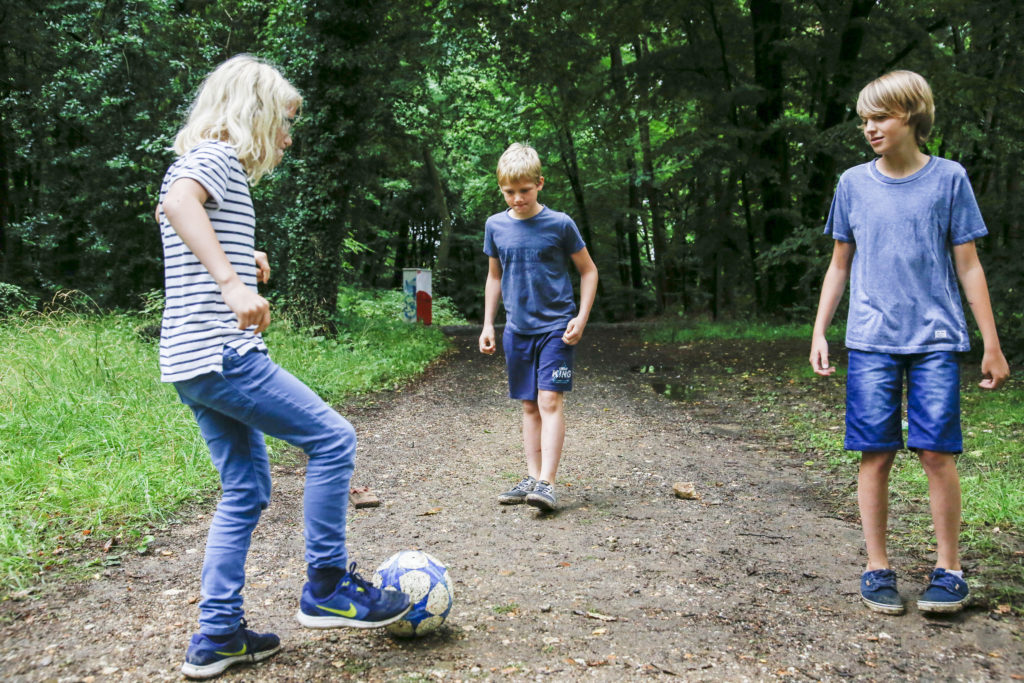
[696,143]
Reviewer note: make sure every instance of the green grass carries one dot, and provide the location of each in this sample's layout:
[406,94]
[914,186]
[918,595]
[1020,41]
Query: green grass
[810,410]
[667,333]
[510,608]
[93,447]
[991,478]
[368,355]
[991,469]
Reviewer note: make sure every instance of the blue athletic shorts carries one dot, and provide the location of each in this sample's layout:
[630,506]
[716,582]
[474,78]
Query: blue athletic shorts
[537,361]
[874,397]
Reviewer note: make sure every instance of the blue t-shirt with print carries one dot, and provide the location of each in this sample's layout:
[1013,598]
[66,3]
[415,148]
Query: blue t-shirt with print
[534,254]
[903,286]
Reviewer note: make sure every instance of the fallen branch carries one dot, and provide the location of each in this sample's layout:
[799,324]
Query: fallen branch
[598,616]
[777,538]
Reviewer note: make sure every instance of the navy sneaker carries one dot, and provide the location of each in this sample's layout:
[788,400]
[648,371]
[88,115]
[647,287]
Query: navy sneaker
[878,591]
[945,593]
[206,659]
[355,602]
[517,494]
[542,496]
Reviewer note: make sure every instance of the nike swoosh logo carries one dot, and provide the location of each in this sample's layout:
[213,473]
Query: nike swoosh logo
[350,612]
[233,654]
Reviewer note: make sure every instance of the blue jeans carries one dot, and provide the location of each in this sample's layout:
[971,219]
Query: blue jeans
[251,396]
[874,396]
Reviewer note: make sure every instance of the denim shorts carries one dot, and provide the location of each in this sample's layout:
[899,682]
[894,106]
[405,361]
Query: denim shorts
[537,362]
[874,397]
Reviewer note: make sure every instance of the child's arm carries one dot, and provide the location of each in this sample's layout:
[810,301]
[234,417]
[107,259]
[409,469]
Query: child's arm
[492,295]
[972,278]
[588,290]
[183,207]
[832,289]
[262,266]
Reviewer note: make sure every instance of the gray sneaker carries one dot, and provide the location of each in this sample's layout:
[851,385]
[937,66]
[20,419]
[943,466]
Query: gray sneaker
[517,494]
[542,496]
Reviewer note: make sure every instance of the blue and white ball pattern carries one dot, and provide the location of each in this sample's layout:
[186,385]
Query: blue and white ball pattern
[425,580]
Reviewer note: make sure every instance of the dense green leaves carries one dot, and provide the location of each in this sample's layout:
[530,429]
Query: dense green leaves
[696,143]
[92,94]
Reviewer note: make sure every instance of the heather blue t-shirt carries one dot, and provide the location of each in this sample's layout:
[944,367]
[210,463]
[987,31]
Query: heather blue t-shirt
[903,286]
[534,255]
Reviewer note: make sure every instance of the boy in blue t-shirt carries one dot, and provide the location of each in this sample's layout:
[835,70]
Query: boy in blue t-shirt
[529,247]
[904,227]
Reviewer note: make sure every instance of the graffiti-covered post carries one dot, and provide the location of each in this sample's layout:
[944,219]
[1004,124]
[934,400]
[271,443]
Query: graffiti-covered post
[417,301]
[409,294]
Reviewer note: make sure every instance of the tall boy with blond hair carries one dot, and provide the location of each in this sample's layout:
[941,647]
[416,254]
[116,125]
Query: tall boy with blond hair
[529,247]
[904,226]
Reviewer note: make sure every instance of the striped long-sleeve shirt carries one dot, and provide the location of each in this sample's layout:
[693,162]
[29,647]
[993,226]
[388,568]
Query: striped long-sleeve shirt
[197,324]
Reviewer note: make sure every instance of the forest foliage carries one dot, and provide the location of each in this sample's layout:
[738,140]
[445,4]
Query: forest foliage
[696,142]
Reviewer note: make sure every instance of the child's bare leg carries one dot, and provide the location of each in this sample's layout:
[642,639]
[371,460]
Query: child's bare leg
[873,500]
[532,438]
[552,435]
[944,500]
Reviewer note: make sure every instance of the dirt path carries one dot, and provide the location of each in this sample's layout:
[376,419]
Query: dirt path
[755,581]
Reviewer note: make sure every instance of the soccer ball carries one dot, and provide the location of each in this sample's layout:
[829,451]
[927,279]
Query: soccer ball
[425,580]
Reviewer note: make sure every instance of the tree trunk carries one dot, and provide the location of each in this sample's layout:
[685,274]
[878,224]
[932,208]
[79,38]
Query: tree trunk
[635,267]
[630,271]
[651,193]
[766,17]
[340,123]
[6,241]
[401,250]
[441,264]
[314,273]
[748,217]
[836,97]
[573,171]
[622,250]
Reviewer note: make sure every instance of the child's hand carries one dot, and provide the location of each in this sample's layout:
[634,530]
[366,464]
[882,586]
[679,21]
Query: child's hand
[262,266]
[573,332]
[819,357]
[487,340]
[250,307]
[995,368]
